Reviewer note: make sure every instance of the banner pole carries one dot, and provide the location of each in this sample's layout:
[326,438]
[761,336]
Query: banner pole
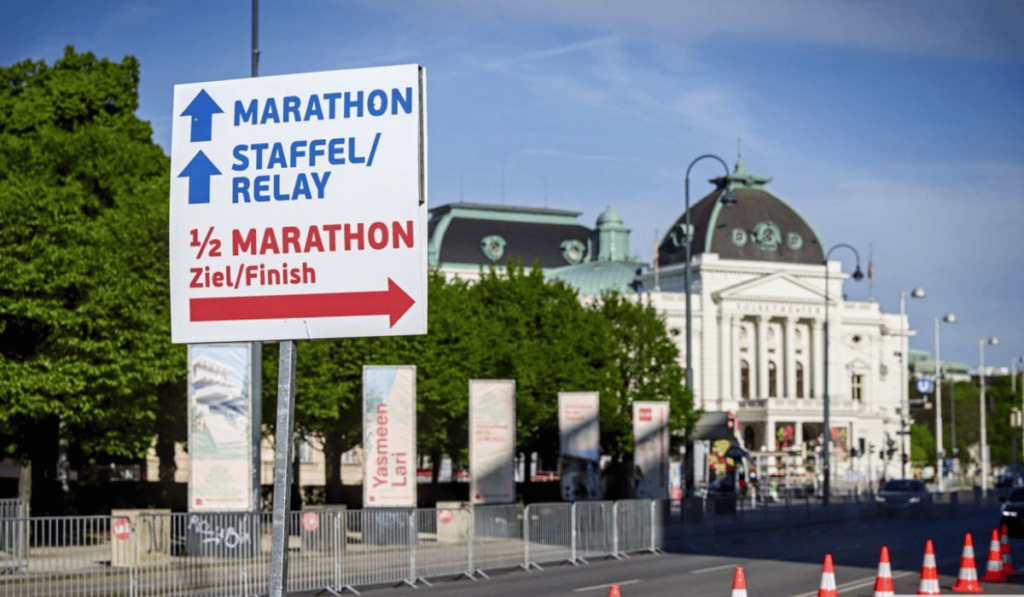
[282,469]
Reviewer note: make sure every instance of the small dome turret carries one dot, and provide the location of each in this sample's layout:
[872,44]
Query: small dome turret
[609,219]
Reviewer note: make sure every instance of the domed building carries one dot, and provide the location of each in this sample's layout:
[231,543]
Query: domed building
[760,293]
[759,286]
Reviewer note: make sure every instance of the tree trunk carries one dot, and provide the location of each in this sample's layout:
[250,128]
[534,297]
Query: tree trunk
[25,479]
[43,450]
[296,481]
[333,449]
[435,466]
[165,452]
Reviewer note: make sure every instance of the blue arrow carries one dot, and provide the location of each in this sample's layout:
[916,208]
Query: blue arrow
[202,110]
[198,172]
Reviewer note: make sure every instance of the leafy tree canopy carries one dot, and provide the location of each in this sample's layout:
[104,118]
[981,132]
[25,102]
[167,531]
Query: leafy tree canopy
[512,325]
[84,324]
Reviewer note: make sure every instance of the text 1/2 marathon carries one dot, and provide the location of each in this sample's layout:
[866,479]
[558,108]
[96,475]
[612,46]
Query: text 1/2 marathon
[316,238]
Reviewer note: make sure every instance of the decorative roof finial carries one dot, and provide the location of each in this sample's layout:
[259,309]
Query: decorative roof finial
[739,145]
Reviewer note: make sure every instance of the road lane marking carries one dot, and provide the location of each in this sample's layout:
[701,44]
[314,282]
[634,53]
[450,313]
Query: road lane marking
[712,569]
[606,585]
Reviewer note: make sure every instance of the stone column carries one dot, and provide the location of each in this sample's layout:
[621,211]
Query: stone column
[790,352]
[761,364]
[817,368]
[725,360]
[734,355]
[769,435]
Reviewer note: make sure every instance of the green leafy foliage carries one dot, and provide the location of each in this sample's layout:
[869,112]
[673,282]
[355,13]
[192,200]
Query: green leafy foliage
[84,318]
[512,325]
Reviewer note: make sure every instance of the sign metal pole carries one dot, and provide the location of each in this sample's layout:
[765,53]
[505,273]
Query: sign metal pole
[282,469]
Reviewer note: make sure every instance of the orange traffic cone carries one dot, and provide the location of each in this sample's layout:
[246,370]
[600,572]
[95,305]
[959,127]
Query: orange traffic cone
[828,579]
[739,583]
[967,581]
[994,567]
[614,591]
[1004,548]
[929,572]
[883,580]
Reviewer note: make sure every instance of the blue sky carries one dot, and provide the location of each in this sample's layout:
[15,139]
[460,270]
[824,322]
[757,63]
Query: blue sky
[897,126]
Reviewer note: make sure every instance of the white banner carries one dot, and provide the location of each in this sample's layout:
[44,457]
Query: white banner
[222,446]
[492,441]
[579,426]
[650,452]
[389,436]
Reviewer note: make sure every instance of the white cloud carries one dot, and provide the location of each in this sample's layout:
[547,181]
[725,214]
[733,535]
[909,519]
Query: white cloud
[949,28]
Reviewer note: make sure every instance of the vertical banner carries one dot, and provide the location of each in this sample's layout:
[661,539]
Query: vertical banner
[492,441]
[579,427]
[223,399]
[650,452]
[389,436]
[579,431]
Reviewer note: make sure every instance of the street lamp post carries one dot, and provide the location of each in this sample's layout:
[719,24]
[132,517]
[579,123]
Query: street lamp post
[727,199]
[826,434]
[904,394]
[983,442]
[1013,383]
[939,451]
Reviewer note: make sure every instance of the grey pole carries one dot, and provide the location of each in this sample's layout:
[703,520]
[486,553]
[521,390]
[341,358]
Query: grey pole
[1021,360]
[826,433]
[939,447]
[686,269]
[255,38]
[282,469]
[904,391]
[983,445]
[938,411]
[904,408]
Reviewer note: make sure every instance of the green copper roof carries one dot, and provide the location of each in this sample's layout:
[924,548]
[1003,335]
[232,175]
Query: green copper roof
[609,219]
[508,213]
[591,279]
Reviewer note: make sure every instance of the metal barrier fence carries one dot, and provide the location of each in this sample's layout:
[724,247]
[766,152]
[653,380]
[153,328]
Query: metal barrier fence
[161,554]
[12,545]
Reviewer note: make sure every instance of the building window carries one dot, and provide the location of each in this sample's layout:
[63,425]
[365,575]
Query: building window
[744,378]
[799,380]
[857,386]
[305,452]
[773,380]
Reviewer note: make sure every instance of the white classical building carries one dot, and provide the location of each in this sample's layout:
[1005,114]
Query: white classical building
[761,292]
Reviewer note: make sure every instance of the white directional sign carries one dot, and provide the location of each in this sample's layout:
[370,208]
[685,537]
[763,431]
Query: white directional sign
[298,207]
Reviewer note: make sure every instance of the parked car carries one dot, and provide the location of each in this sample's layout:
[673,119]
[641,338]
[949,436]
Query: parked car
[904,494]
[1012,513]
[1006,483]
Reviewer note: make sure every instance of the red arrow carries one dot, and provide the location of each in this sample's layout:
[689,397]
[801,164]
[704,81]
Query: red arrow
[393,302]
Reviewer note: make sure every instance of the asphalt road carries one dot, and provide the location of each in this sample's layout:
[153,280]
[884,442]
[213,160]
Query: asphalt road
[776,564]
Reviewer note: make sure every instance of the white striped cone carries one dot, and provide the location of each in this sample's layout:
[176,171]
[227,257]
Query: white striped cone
[967,581]
[739,583]
[883,580]
[1004,548]
[994,562]
[929,572]
[828,579]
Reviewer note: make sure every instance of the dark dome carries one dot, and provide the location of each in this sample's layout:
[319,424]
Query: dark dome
[759,227]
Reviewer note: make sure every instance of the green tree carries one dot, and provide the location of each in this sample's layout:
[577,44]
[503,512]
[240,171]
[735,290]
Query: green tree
[543,338]
[645,364]
[84,324]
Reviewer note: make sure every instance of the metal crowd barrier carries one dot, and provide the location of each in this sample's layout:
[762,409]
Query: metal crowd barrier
[162,554]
